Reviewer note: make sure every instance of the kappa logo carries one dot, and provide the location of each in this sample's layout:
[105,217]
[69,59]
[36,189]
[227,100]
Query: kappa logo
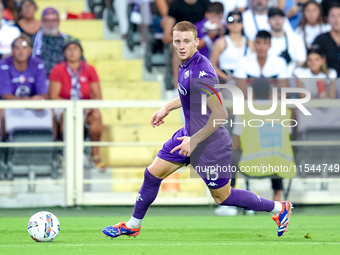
[202,73]
[212,184]
[181,89]
[139,197]
[186,74]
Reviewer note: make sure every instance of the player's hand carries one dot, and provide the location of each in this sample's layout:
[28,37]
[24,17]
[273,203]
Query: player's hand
[184,147]
[157,118]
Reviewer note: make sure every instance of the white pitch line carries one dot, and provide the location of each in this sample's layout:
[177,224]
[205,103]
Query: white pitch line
[174,244]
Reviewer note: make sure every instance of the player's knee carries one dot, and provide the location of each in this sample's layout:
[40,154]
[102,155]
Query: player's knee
[219,199]
[221,195]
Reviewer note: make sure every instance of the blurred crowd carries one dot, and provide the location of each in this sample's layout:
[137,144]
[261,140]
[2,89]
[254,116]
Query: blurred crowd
[249,39]
[38,62]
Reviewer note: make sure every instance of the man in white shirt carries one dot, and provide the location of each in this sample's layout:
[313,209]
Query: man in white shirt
[7,35]
[256,19]
[261,65]
[288,45]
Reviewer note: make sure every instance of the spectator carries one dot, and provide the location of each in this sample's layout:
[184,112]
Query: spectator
[312,23]
[10,10]
[7,35]
[293,12]
[210,28]
[74,79]
[266,145]
[230,5]
[326,4]
[163,9]
[256,19]
[26,21]
[277,3]
[181,10]
[49,41]
[261,65]
[230,48]
[315,76]
[121,9]
[329,42]
[287,45]
[21,76]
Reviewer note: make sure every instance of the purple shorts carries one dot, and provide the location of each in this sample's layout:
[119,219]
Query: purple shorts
[212,163]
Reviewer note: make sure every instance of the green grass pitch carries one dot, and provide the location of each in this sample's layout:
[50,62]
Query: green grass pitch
[175,230]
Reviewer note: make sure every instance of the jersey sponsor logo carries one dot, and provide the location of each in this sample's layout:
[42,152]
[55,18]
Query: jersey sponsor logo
[202,74]
[139,197]
[181,89]
[186,74]
[212,184]
[22,79]
[23,91]
[41,66]
[4,67]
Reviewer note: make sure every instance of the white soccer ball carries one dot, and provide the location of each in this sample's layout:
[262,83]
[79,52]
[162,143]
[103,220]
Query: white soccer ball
[43,227]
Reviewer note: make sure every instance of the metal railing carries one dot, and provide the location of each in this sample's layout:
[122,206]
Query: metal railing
[74,147]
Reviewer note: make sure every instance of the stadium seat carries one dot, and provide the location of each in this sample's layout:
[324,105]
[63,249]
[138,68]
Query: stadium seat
[318,155]
[127,173]
[83,29]
[63,6]
[133,36]
[142,132]
[120,70]
[96,50]
[135,116]
[130,90]
[123,156]
[30,161]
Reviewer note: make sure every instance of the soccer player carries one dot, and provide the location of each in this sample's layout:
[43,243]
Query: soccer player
[200,142]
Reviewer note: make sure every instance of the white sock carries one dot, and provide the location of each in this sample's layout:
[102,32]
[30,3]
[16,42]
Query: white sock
[133,223]
[277,208]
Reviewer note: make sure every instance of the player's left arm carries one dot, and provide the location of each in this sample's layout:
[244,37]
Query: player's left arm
[218,111]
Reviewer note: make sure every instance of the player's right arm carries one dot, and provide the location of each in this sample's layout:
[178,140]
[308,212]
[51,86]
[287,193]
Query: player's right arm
[158,117]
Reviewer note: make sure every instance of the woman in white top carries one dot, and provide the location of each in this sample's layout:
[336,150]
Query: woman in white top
[311,24]
[315,76]
[230,48]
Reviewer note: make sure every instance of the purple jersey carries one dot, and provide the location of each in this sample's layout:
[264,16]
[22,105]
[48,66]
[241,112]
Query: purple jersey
[28,83]
[196,78]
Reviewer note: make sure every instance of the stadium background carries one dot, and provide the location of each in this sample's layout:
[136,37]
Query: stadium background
[129,145]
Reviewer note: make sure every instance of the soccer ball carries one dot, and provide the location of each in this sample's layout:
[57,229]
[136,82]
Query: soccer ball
[43,227]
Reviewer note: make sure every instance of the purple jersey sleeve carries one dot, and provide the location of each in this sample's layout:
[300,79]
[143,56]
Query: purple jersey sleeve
[40,77]
[5,78]
[204,78]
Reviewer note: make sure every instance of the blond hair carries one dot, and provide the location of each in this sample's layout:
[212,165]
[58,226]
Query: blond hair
[185,26]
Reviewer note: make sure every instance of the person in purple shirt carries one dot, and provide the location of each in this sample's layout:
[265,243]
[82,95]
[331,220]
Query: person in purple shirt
[21,76]
[210,28]
[200,142]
